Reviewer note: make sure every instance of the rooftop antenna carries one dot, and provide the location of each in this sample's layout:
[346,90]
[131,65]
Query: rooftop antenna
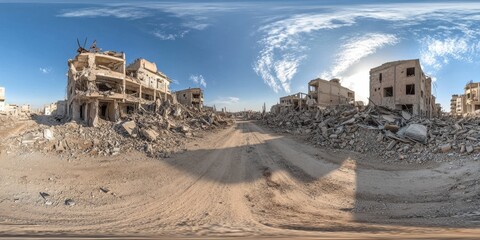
[80,48]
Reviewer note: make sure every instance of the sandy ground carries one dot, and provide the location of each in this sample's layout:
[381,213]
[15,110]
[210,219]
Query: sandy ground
[242,181]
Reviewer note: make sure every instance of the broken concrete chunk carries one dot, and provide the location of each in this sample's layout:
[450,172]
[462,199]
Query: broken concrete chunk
[392,127]
[149,134]
[129,127]
[416,132]
[48,134]
[445,147]
[391,145]
[469,148]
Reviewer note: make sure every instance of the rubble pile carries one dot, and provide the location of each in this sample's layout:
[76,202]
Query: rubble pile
[391,134]
[158,132]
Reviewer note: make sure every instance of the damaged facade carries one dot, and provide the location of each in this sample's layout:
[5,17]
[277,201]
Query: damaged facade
[101,85]
[402,85]
[467,103]
[296,101]
[328,93]
[57,109]
[192,97]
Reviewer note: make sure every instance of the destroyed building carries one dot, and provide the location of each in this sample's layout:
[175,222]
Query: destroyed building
[295,101]
[402,85]
[100,85]
[2,99]
[467,103]
[192,97]
[57,108]
[328,93]
[472,91]
[453,104]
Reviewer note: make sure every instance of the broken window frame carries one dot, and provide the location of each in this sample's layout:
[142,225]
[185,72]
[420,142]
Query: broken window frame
[388,92]
[410,71]
[410,89]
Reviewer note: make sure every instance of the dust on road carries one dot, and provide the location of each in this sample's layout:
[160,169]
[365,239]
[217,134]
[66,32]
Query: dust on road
[242,181]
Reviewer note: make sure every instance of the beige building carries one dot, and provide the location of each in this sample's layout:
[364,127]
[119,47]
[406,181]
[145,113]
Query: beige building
[402,85]
[2,99]
[472,91]
[297,101]
[326,93]
[192,97]
[453,104]
[55,109]
[100,85]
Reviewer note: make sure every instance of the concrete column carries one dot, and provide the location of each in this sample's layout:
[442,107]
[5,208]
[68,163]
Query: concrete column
[116,110]
[93,116]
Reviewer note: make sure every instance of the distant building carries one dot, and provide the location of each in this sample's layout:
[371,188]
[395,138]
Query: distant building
[453,104]
[57,109]
[2,99]
[472,91]
[402,85]
[297,101]
[327,93]
[461,106]
[192,97]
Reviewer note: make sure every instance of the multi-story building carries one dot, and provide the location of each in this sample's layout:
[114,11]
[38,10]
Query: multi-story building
[472,91]
[326,93]
[192,97]
[402,85]
[100,85]
[453,104]
[461,106]
[297,101]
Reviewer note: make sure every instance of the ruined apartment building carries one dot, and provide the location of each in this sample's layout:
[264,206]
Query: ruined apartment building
[2,99]
[326,93]
[402,85]
[472,102]
[100,85]
[453,104]
[192,97]
[297,101]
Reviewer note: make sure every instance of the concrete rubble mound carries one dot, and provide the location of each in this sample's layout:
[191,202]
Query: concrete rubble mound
[391,134]
[156,131]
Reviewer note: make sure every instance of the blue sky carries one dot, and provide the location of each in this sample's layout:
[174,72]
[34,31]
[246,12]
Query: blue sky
[241,53]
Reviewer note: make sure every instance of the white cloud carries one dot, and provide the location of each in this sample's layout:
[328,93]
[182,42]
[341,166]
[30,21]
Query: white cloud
[45,70]
[226,100]
[283,41]
[437,52]
[169,36]
[199,80]
[357,48]
[175,81]
[122,12]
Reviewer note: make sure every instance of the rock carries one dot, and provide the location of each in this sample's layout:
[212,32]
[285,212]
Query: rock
[469,148]
[392,127]
[48,203]
[129,127]
[349,121]
[391,145]
[445,147]
[407,116]
[416,132]
[149,134]
[104,189]
[69,202]
[333,136]
[462,148]
[48,134]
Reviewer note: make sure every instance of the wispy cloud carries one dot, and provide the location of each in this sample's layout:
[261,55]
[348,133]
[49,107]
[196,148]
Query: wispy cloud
[118,12]
[169,36]
[284,41]
[438,52]
[357,48]
[199,80]
[45,70]
[226,100]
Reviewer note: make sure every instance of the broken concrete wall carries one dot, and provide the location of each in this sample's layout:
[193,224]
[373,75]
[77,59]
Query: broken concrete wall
[329,93]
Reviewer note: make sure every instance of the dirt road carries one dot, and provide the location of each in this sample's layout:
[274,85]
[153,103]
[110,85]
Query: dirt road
[241,181]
